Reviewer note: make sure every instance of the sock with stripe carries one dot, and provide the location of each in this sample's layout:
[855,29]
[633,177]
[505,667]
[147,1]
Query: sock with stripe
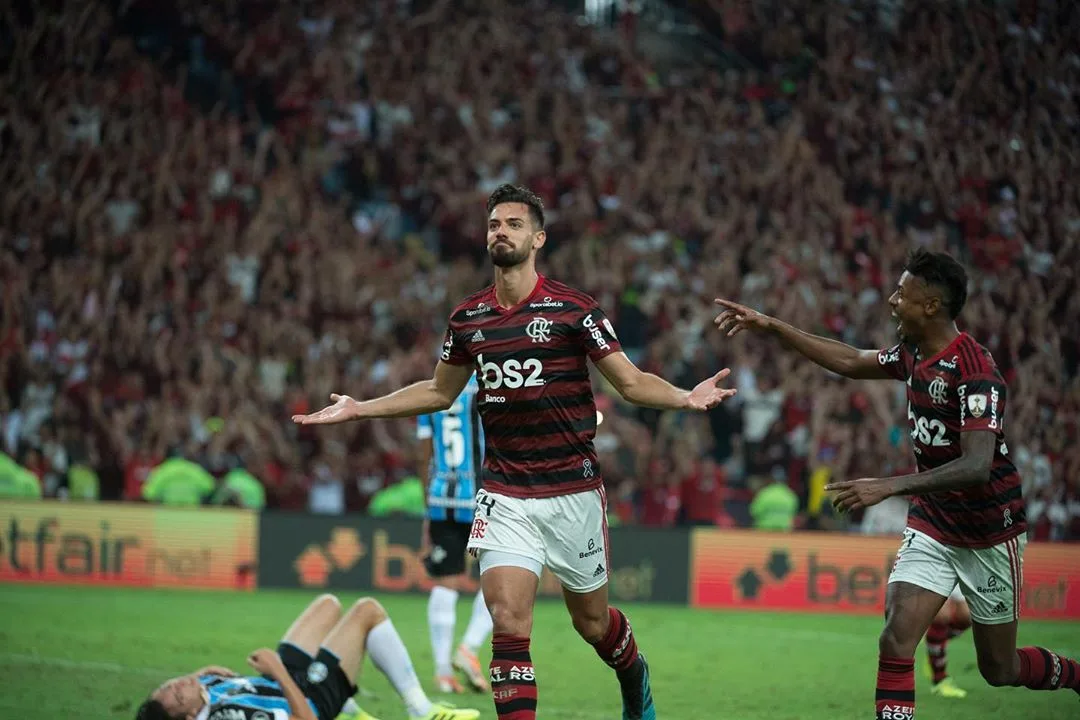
[618,647]
[895,696]
[1041,669]
[937,637]
[958,628]
[513,682]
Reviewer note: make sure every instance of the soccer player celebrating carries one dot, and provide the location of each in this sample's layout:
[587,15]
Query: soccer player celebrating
[451,452]
[966,524]
[543,501]
[311,675]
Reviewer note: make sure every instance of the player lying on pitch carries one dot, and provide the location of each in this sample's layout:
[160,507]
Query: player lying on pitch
[312,676]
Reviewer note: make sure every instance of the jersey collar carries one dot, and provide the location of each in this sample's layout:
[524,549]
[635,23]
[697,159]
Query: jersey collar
[532,296]
[950,348]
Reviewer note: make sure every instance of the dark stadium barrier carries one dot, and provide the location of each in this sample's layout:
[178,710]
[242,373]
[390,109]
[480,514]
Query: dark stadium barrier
[127,544]
[830,572]
[359,553]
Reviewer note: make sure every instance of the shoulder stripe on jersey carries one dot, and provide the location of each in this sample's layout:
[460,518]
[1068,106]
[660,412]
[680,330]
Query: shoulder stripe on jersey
[980,362]
[969,364]
[461,307]
[583,300]
[558,285]
[979,356]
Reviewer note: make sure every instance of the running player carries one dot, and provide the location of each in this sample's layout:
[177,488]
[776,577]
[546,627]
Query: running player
[543,499]
[889,517]
[451,442]
[311,676]
[966,524]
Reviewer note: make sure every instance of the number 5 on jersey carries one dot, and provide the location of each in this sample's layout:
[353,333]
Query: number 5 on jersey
[453,438]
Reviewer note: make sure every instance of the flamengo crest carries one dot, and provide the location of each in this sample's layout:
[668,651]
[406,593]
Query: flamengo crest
[539,329]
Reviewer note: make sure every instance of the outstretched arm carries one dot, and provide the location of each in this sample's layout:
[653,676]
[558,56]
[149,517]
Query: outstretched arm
[829,354]
[422,397]
[648,390]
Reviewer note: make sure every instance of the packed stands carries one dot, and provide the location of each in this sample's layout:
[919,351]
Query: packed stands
[216,214]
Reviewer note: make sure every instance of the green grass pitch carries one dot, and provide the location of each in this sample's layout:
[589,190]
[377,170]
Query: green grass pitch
[69,652]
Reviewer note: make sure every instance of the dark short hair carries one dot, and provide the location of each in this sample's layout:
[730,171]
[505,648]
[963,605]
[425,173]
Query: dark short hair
[942,271]
[152,710]
[519,194]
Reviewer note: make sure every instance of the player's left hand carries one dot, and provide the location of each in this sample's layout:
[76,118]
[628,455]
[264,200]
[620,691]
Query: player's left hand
[708,393]
[862,493]
[342,410]
[266,662]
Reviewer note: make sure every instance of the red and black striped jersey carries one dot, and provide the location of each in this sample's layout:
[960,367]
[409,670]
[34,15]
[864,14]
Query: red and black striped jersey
[536,400]
[958,390]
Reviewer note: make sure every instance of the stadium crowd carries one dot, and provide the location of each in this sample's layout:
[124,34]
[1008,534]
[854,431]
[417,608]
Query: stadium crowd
[216,214]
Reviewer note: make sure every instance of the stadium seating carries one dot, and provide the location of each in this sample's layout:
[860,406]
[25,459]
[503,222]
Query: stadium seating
[210,223]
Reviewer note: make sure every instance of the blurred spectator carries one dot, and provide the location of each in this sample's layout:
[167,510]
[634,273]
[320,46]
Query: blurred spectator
[17,482]
[239,488]
[178,482]
[775,504]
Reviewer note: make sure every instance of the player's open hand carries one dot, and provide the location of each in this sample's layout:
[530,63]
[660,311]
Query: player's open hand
[342,410]
[735,318]
[708,393]
[852,495]
[266,662]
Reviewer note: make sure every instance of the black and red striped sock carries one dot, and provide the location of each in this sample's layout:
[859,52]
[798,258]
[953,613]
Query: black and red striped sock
[513,682]
[937,637]
[895,697]
[617,648]
[1041,669]
[956,629]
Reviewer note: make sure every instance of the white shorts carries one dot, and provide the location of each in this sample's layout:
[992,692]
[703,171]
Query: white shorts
[567,533]
[990,579]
